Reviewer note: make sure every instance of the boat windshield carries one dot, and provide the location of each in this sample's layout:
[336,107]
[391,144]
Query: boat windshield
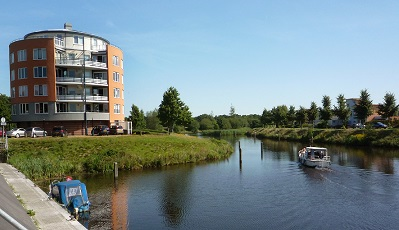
[73,191]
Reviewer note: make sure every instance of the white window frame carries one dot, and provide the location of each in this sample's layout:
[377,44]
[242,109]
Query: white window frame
[21,55]
[13,92]
[12,75]
[24,108]
[14,109]
[12,58]
[117,93]
[115,77]
[23,91]
[117,108]
[77,39]
[41,108]
[40,72]
[115,60]
[40,90]
[22,73]
[39,54]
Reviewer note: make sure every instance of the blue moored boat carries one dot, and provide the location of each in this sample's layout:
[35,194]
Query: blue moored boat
[72,195]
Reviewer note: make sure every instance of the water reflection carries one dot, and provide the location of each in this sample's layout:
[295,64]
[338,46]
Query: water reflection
[174,194]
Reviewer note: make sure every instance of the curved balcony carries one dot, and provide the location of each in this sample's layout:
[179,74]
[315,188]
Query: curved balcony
[79,80]
[81,98]
[79,62]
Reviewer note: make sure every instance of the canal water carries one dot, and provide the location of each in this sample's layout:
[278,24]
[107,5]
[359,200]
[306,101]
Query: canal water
[269,191]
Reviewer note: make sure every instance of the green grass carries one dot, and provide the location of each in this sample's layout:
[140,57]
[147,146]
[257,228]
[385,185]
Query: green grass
[55,157]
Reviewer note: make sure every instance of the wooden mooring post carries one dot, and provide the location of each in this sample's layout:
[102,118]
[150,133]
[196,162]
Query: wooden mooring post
[115,170]
[240,154]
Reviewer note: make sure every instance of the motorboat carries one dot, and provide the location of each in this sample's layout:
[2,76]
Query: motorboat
[72,195]
[314,157]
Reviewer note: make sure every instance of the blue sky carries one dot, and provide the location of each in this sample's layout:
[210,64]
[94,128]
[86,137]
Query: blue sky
[248,54]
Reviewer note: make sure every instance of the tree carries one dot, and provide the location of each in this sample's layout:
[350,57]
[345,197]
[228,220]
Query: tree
[312,112]
[152,120]
[291,115]
[363,108]
[325,111]
[194,126]
[223,122]
[301,116]
[232,111]
[5,107]
[342,111]
[172,111]
[389,107]
[266,118]
[137,118]
[279,115]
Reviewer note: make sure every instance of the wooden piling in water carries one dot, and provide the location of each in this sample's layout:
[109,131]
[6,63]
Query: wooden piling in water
[240,150]
[115,169]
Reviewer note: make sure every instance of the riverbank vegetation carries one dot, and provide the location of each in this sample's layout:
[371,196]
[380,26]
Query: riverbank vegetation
[361,137]
[56,157]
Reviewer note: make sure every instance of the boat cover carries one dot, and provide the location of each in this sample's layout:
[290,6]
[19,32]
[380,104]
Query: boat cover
[73,194]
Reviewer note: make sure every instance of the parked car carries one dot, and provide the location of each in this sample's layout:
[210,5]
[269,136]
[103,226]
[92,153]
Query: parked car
[358,126]
[16,132]
[380,125]
[100,130]
[59,131]
[116,129]
[35,132]
[1,132]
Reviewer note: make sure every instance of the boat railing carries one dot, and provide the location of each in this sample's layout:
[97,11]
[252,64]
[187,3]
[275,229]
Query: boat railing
[326,158]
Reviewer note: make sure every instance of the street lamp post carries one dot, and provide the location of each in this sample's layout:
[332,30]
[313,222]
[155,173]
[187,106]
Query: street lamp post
[84,88]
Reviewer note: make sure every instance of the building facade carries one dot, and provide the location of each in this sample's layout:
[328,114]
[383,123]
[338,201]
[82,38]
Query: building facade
[66,77]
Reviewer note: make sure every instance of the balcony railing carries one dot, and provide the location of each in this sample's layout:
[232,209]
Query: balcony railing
[81,98]
[79,62]
[80,80]
[99,48]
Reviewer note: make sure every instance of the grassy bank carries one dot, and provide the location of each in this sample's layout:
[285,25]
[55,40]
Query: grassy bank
[364,137]
[55,157]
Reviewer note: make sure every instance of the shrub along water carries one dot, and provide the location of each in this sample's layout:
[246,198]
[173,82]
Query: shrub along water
[365,137]
[56,157]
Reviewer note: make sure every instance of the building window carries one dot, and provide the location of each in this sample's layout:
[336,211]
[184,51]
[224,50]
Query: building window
[62,107]
[71,56]
[22,73]
[11,58]
[116,93]
[78,40]
[123,92]
[117,108]
[12,92]
[21,55]
[39,54]
[23,91]
[121,63]
[14,109]
[40,90]
[40,72]
[12,75]
[24,108]
[115,60]
[41,107]
[116,76]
